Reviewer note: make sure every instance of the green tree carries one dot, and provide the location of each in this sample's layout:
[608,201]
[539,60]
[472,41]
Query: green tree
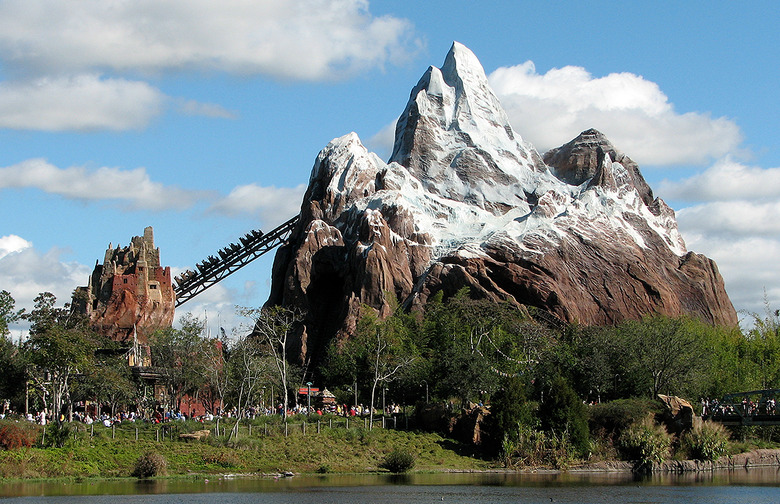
[563,412]
[510,408]
[764,348]
[179,356]
[376,354]
[667,354]
[8,313]
[110,381]
[60,347]
[473,344]
[12,378]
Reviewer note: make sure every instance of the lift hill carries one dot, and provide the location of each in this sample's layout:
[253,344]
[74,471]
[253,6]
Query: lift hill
[229,260]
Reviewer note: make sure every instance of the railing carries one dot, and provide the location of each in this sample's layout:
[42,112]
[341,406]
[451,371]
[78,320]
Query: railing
[756,407]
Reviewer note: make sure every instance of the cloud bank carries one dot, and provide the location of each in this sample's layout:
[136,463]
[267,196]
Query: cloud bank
[272,205]
[133,187]
[69,62]
[552,108]
[730,213]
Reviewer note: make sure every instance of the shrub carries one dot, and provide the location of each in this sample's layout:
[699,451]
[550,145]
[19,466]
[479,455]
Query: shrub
[646,443]
[398,461]
[223,459]
[57,434]
[612,418]
[15,435]
[530,447]
[706,441]
[149,465]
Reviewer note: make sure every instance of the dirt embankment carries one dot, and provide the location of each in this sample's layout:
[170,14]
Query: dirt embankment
[754,458]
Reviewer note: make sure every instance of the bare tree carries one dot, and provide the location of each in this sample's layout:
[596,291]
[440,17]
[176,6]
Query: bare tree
[272,329]
[248,369]
[387,359]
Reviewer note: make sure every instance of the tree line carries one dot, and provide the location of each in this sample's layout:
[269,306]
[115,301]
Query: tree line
[460,351]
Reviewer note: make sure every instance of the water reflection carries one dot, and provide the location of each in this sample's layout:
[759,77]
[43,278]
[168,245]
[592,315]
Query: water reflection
[571,483]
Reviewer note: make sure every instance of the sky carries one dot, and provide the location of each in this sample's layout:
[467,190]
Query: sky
[203,119]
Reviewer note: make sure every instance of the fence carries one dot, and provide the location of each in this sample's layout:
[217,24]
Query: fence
[264,427]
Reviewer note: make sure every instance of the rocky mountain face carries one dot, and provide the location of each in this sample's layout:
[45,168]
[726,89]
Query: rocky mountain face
[464,201]
[129,296]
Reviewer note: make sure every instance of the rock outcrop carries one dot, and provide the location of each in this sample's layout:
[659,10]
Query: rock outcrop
[130,295]
[465,202]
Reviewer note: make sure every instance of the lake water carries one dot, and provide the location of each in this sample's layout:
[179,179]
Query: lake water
[756,486]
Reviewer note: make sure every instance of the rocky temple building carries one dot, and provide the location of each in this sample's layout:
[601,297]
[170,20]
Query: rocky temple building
[130,295]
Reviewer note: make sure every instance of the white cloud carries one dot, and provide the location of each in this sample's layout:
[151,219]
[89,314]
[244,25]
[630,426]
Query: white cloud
[272,205]
[550,109]
[26,272]
[735,222]
[293,39]
[726,180]
[133,187]
[81,103]
[748,265]
[12,243]
[733,218]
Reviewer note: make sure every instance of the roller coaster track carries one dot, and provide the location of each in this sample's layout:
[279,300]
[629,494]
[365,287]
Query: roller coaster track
[229,260]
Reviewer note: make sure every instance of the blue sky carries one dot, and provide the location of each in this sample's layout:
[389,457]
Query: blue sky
[203,119]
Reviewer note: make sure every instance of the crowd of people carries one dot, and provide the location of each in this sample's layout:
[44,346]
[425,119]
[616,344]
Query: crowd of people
[44,417]
[747,407]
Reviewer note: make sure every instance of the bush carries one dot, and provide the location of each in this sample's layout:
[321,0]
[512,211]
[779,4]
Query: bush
[224,459]
[612,418]
[646,443]
[56,434]
[15,435]
[706,441]
[398,461]
[530,447]
[149,465]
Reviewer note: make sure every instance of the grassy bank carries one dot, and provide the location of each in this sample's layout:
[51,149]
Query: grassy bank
[112,452]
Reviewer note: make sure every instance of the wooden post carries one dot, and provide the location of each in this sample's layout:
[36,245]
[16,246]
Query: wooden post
[91,430]
[347,423]
[330,423]
[136,433]
[304,428]
[158,435]
[113,431]
[250,430]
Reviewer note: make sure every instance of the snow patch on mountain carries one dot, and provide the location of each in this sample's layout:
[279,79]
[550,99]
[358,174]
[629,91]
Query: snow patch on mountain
[474,177]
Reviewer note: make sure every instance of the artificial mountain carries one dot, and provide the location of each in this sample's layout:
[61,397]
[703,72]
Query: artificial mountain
[465,202]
